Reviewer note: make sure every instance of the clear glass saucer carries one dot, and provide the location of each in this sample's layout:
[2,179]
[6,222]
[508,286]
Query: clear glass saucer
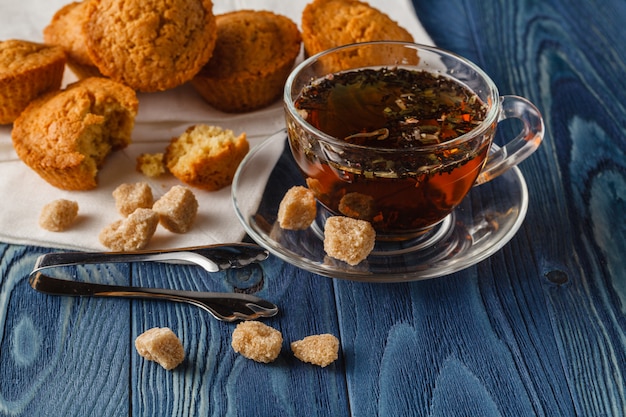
[485,221]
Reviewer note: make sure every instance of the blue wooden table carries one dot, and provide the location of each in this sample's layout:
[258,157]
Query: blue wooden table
[538,329]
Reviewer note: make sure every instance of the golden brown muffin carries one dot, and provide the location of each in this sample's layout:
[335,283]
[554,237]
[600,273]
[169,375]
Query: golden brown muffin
[206,156]
[254,53]
[66,135]
[27,70]
[150,45]
[66,30]
[330,23]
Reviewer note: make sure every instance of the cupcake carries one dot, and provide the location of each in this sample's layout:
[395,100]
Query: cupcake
[150,45]
[27,70]
[254,53]
[330,23]
[65,136]
[66,30]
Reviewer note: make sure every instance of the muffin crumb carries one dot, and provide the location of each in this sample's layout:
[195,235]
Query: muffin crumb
[151,164]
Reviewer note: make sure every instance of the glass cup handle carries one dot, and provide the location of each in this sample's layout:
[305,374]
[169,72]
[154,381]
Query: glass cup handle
[502,158]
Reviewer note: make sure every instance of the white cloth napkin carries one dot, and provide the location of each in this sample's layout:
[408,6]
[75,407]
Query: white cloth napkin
[161,117]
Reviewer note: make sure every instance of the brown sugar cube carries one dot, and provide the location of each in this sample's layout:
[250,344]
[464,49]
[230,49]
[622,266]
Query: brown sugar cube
[206,157]
[177,209]
[347,239]
[151,164]
[321,349]
[58,215]
[257,341]
[161,345]
[358,206]
[129,197]
[132,233]
[297,210]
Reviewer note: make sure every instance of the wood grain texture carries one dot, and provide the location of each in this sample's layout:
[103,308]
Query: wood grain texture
[215,380]
[538,329]
[59,354]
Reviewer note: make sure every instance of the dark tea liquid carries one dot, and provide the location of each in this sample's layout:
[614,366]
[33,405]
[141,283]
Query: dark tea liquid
[392,109]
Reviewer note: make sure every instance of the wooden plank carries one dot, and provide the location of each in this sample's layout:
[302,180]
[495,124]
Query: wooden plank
[61,355]
[538,329]
[215,380]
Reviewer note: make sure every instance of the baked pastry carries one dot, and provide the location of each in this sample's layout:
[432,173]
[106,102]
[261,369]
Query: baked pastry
[254,53]
[131,233]
[257,341]
[130,197]
[297,209]
[151,164]
[66,135]
[161,345]
[177,209]
[27,70]
[58,215]
[330,23]
[319,349]
[150,45]
[66,30]
[347,239]
[206,156]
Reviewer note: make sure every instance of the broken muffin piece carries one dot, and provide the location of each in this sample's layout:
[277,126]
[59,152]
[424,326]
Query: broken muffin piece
[206,156]
[151,164]
[65,136]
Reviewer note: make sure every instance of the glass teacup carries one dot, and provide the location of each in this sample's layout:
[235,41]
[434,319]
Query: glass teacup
[398,133]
